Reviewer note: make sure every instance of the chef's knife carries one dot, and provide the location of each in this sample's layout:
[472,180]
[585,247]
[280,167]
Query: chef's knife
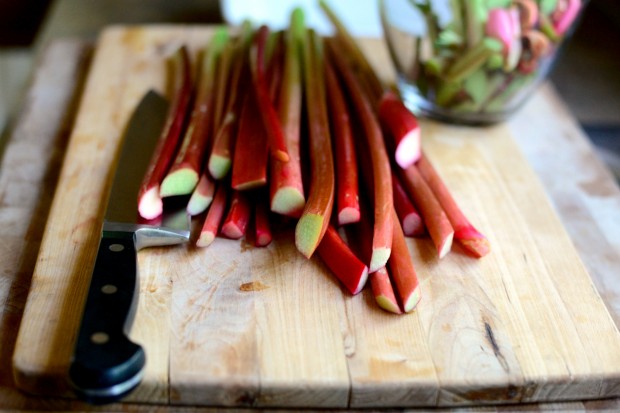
[106,365]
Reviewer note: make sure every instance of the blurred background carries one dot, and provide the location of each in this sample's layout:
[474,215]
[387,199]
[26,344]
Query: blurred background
[587,75]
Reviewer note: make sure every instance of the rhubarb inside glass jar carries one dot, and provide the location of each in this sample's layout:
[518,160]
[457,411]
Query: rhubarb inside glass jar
[474,61]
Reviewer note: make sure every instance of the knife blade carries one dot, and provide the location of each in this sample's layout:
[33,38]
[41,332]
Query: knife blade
[106,364]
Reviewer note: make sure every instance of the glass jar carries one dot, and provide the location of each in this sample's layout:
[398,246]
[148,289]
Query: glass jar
[474,61]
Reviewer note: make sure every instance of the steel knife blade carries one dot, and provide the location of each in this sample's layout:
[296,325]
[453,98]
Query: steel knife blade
[106,364]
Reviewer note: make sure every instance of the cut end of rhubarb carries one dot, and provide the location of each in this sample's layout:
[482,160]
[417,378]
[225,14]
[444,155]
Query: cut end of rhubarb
[413,300]
[409,149]
[387,304]
[263,240]
[379,258]
[219,166]
[150,205]
[444,249]
[412,225]
[198,204]
[180,182]
[289,202]
[232,231]
[362,282]
[348,215]
[308,233]
[205,239]
[477,247]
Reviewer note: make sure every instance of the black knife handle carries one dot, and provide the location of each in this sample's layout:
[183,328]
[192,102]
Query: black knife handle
[106,365]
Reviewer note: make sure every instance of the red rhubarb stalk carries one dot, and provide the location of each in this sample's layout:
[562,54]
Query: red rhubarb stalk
[185,171]
[381,186]
[150,205]
[434,217]
[402,127]
[220,158]
[339,258]
[251,152]
[202,196]
[383,291]
[465,233]
[214,217]
[347,193]
[286,185]
[359,236]
[275,136]
[236,221]
[408,215]
[315,217]
[402,270]
[262,226]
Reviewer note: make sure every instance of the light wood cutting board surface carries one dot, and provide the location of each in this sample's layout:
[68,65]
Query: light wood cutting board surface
[237,325]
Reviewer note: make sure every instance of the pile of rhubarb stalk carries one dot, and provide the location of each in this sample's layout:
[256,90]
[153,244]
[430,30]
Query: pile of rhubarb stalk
[290,126]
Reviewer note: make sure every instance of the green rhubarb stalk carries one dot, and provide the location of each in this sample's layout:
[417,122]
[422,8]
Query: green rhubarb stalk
[314,219]
[220,159]
[472,59]
[150,204]
[285,183]
[185,171]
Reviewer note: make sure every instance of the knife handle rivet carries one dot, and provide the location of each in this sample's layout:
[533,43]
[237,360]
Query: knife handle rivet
[99,338]
[116,247]
[109,289]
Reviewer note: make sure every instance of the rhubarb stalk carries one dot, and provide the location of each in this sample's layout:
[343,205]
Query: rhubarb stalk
[347,192]
[402,270]
[238,217]
[465,233]
[359,236]
[275,136]
[150,204]
[339,258]
[185,171]
[249,168]
[214,217]
[381,185]
[408,215]
[434,216]
[262,226]
[220,158]
[315,217]
[402,127]
[286,185]
[202,196]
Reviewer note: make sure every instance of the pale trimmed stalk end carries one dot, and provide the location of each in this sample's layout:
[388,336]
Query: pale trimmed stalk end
[409,149]
[308,234]
[413,300]
[412,225]
[179,182]
[219,166]
[387,304]
[473,242]
[150,205]
[289,202]
[379,258]
[205,239]
[232,231]
[444,248]
[362,282]
[348,215]
[198,203]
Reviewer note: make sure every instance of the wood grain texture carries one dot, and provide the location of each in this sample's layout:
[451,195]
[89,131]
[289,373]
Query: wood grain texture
[524,324]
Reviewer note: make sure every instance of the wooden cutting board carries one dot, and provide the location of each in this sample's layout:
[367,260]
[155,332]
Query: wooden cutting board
[235,325]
